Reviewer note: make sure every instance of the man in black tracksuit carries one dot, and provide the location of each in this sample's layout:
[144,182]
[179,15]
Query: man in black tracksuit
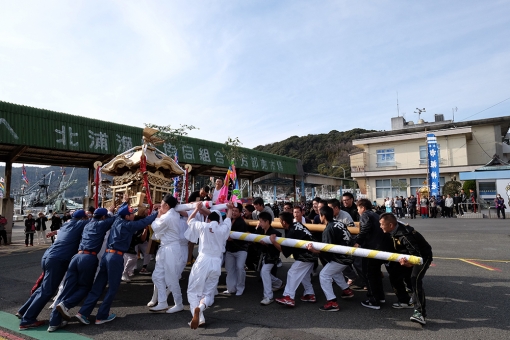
[372,237]
[301,269]
[406,240]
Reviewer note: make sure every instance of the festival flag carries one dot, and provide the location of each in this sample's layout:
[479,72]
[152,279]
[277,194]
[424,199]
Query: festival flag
[24,174]
[2,188]
[230,189]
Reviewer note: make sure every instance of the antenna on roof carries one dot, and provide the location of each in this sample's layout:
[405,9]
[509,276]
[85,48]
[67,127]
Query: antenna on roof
[398,111]
[453,113]
[419,112]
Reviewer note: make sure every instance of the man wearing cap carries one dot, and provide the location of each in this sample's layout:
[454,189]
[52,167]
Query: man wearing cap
[80,274]
[168,269]
[206,270]
[112,264]
[54,264]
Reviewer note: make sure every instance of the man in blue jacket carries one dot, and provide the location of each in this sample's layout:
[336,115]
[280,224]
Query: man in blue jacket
[112,264]
[54,264]
[80,274]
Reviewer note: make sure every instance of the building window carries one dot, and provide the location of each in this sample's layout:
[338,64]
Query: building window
[382,188]
[417,183]
[423,154]
[385,157]
[487,190]
[390,187]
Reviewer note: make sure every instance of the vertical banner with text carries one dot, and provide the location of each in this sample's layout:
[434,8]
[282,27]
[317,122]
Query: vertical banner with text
[433,160]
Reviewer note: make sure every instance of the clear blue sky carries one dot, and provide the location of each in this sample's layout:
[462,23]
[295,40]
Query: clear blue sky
[258,70]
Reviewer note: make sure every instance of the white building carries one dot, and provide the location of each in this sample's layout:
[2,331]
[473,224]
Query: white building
[394,162]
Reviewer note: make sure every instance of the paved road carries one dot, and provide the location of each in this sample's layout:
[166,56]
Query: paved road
[468,291]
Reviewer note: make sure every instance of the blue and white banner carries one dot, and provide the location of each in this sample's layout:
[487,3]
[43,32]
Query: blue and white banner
[433,160]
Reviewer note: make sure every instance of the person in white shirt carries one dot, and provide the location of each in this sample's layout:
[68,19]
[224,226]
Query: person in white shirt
[169,258]
[206,270]
[448,204]
[216,191]
[298,214]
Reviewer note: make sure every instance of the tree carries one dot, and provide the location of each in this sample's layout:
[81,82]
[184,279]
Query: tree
[451,188]
[469,184]
[399,186]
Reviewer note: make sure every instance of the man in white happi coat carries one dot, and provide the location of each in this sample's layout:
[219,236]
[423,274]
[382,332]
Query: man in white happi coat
[206,270]
[169,257]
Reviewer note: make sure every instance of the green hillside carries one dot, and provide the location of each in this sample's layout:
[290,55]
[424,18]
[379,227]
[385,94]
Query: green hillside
[319,153]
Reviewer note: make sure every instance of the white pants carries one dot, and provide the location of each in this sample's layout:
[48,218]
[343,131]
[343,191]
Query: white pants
[236,275]
[130,262]
[268,280]
[184,255]
[167,272]
[41,234]
[333,271]
[298,273]
[203,280]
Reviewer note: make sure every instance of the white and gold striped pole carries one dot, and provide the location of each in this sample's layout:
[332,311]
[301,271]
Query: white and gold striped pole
[331,248]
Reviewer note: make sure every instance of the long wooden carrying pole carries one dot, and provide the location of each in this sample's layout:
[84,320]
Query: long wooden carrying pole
[331,248]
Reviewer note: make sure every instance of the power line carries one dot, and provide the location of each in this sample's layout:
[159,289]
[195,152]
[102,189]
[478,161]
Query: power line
[486,109]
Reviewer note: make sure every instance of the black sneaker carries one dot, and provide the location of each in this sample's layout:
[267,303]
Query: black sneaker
[369,304]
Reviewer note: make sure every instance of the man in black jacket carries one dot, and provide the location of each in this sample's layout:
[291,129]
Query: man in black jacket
[412,202]
[269,257]
[334,233]
[301,269]
[349,205]
[235,256]
[372,237]
[406,240]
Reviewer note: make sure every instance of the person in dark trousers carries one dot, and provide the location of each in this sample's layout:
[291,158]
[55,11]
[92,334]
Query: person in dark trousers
[499,202]
[411,202]
[112,264]
[3,232]
[56,223]
[372,237]
[457,200]
[54,263]
[406,240]
[82,268]
[29,230]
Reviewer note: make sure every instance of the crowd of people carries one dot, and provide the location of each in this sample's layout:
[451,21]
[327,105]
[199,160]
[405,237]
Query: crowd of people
[91,254]
[440,206]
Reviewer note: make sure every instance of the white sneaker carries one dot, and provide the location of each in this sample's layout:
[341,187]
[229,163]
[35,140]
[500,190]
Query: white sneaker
[125,278]
[227,293]
[152,303]
[266,301]
[64,311]
[160,307]
[54,328]
[175,309]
